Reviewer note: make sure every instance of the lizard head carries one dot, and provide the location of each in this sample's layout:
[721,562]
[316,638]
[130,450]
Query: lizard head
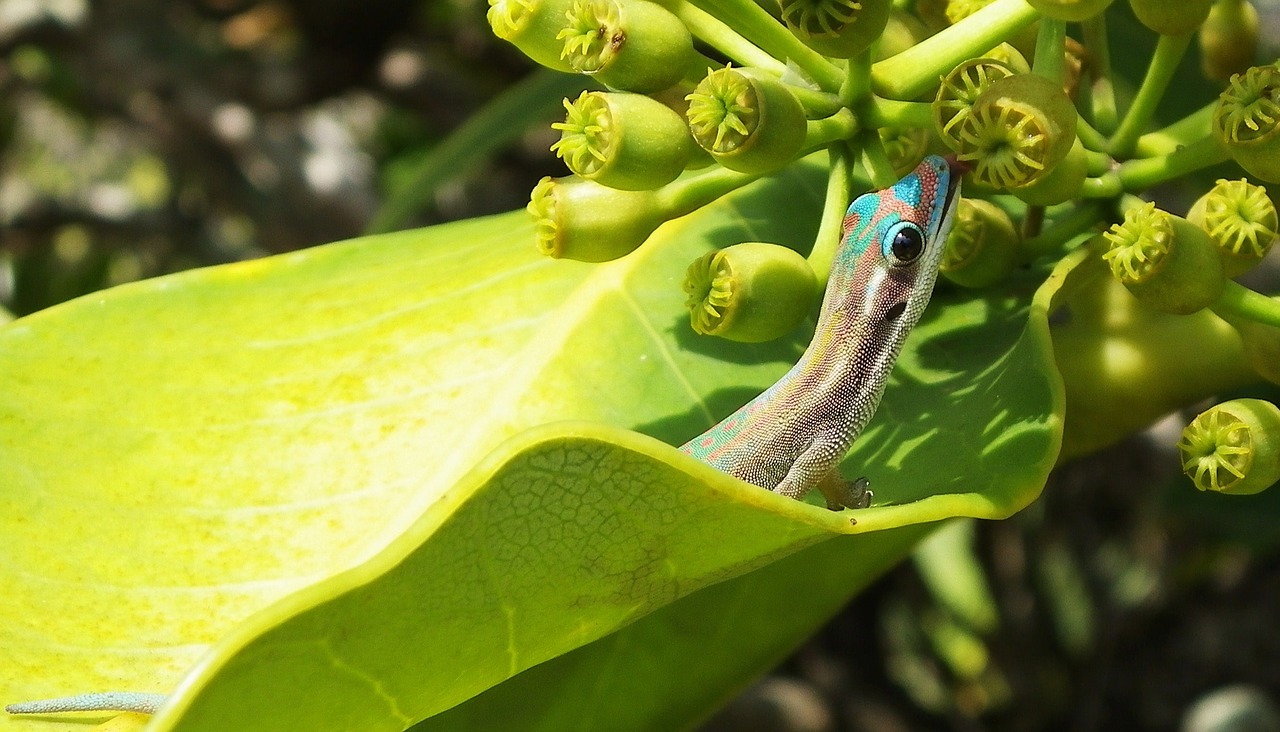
[892,245]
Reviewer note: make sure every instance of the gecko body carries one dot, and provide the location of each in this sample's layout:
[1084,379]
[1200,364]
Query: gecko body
[792,436]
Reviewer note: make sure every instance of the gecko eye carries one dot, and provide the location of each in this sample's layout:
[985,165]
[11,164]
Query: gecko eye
[904,244]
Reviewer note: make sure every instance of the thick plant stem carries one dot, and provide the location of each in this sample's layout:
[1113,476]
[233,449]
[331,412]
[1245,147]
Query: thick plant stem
[766,32]
[1164,63]
[857,80]
[916,70]
[1238,301]
[839,193]
[720,36]
[1102,92]
[881,112]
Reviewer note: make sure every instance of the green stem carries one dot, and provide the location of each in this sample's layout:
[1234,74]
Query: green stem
[1051,47]
[1089,137]
[1195,126]
[766,32]
[1238,301]
[881,112]
[535,99]
[1143,173]
[916,70]
[857,80]
[876,161]
[1102,92]
[722,37]
[822,132]
[817,104]
[691,193]
[1164,63]
[1062,231]
[1098,163]
[839,193]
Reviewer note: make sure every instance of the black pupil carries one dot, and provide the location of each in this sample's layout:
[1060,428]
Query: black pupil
[907,244]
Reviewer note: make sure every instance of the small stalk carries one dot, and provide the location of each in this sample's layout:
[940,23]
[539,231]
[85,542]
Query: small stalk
[1090,137]
[1143,173]
[1164,63]
[1102,92]
[759,27]
[1138,175]
[1238,301]
[722,37]
[692,193]
[914,71]
[1066,227]
[1185,131]
[1051,46]
[839,194]
[876,161]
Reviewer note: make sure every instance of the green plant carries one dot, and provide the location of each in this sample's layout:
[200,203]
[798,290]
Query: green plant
[358,455]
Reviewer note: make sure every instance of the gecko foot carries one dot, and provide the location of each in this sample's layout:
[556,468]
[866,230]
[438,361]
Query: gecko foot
[841,494]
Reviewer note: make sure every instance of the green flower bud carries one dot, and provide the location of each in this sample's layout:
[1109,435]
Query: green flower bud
[1240,219]
[630,45]
[1171,17]
[982,248]
[1247,121]
[1233,448]
[1072,10]
[1165,261]
[902,31]
[1062,183]
[748,121]
[750,292]
[1017,131]
[1228,39]
[623,140]
[583,220]
[905,147]
[839,28]
[531,26]
[957,92]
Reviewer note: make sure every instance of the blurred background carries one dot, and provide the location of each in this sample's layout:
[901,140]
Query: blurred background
[140,137]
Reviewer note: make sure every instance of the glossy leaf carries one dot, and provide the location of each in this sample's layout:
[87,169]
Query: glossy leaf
[181,454]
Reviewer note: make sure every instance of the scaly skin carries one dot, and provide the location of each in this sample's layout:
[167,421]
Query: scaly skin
[791,438]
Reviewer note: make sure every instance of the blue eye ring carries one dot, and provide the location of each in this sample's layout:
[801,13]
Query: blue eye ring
[903,244]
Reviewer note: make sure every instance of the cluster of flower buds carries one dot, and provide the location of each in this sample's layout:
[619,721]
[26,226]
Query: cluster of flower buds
[704,96]
[700,97]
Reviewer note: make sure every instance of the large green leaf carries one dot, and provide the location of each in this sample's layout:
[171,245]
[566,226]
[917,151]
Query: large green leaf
[181,454]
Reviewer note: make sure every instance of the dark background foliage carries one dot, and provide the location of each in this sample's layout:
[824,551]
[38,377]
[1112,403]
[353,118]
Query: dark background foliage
[141,137]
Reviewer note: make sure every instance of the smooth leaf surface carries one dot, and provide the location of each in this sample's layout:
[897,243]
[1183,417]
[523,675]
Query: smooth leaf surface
[182,453]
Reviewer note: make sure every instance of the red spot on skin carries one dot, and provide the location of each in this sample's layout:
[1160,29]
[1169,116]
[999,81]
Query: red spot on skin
[708,441]
[850,221]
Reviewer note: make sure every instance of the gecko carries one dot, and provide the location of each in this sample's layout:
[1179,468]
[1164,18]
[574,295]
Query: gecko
[791,437]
